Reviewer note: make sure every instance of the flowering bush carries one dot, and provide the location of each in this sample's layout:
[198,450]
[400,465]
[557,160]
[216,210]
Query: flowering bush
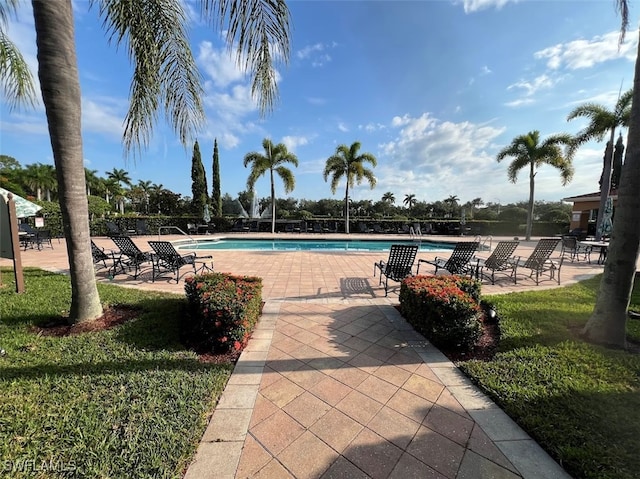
[223,310]
[445,309]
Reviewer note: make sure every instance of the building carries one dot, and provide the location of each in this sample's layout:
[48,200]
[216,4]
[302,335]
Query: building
[584,212]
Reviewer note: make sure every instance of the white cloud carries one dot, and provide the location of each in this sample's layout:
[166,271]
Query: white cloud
[371,127]
[343,127]
[292,142]
[451,158]
[520,102]
[316,54]
[583,53]
[531,87]
[219,65]
[471,6]
[101,117]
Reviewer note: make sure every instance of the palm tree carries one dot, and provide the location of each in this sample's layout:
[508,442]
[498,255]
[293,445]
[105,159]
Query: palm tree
[37,177]
[165,76]
[527,151]
[409,201]
[274,159]
[389,197]
[91,179]
[608,322]
[121,177]
[452,202]
[348,163]
[145,187]
[601,122]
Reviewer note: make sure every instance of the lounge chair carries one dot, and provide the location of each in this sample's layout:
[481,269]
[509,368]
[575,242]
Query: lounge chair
[459,262]
[540,262]
[499,261]
[238,226]
[100,257]
[113,230]
[141,228]
[398,266]
[167,259]
[130,256]
[572,249]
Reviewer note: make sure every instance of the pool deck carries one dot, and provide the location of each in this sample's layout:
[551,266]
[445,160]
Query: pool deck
[335,384]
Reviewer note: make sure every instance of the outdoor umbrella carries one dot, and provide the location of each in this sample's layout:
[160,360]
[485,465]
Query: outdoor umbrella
[24,207]
[206,216]
[607,215]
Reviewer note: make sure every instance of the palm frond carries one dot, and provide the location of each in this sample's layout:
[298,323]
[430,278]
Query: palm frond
[287,178]
[259,31]
[15,76]
[165,72]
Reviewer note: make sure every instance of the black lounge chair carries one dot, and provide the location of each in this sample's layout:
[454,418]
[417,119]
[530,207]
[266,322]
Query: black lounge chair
[167,259]
[113,230]
[398,266]
[575,251]
[499,261]
[100,258]
[540,262]
[129,256]
[141,228]
[459,262]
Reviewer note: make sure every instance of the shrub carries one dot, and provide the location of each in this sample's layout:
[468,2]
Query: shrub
[223,310]
[445,309]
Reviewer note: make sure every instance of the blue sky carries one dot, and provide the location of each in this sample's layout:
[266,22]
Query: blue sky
[433,89]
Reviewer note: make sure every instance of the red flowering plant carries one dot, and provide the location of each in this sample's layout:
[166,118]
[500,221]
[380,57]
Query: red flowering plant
[223,310]
[445,309]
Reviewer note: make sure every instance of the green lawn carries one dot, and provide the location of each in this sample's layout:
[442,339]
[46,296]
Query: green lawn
[581,402]
[129,402]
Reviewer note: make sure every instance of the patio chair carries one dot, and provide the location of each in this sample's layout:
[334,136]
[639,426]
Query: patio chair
[398,266]
[574,250]
[192,229]
[100,257]
[499,261]
[540,262]
[167,259]
[459,262]
[239,226]
[141,228]
[31,237]
[113,230]
[129,256]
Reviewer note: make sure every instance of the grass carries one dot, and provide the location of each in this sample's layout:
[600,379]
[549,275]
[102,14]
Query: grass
[579,401]
[127,402]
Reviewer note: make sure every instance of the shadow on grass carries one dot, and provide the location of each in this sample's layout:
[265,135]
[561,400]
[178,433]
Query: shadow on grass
[591,433]
[106,367]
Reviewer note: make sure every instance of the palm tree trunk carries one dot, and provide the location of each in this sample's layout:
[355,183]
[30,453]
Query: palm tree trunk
[608,322]
[59,82]
[529,227]
[273,204]
[606,183]
[346,208]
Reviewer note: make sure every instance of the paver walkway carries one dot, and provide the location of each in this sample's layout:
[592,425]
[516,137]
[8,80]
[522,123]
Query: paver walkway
[335,384]
[330,390]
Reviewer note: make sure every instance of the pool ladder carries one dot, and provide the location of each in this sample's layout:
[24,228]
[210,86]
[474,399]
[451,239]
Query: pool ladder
[484,244]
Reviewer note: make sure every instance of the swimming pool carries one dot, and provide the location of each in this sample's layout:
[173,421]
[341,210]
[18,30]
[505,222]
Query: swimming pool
[309,245]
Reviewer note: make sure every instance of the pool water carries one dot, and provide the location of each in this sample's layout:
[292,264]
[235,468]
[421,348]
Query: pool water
[310,245]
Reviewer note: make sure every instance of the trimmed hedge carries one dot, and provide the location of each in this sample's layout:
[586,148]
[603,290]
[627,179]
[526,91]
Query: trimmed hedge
[223,310]
[445,309]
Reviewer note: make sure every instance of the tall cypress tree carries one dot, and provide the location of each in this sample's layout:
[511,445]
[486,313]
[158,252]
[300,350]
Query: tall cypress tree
[198,182]
[216,197]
